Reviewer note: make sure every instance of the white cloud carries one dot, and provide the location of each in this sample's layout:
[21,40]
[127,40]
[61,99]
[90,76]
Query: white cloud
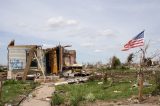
[47,23]
[88,45]
[58,22]
[48,46]
[158,40]
[112,47]
[98,50]
[107,32]
[102,48]
[22,25]
[154,42]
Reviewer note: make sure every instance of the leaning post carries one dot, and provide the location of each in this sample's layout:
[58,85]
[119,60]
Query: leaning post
[1,84]
[141,76]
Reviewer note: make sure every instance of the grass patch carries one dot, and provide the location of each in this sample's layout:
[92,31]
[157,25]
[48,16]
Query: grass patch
[57,99]
[91,91]
[12,90]
[118,69]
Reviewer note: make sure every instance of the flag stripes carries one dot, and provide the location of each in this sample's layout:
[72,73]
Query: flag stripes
[135,42]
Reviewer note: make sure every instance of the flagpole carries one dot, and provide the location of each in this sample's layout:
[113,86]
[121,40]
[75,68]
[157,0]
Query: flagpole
[140,74]
[138,41]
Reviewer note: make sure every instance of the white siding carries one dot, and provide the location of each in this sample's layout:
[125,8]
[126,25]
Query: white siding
[17,57]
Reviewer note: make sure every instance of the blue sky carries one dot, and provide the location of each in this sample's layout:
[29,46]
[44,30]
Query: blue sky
[97,29]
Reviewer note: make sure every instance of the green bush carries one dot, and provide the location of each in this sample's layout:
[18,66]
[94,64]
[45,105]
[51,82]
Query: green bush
[57,99]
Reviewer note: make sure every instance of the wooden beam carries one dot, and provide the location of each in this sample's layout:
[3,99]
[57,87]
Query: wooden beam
[41,67]
[29,60]
[140,94]
[54,66]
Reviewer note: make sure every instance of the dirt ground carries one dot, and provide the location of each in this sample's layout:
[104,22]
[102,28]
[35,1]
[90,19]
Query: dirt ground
[41,96]
[148,101]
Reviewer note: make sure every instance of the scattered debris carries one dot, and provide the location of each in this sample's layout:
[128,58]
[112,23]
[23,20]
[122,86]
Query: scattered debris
[100,83]
[72,81]
[133,100]
[61,83]
[33,61]
[117,91]
[48,99]
[30,96]
[7,104]
[134,86]
[146,84]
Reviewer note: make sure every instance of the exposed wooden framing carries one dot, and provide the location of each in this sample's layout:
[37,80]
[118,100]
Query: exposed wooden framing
[29,60]
[41,66]
[54,66]
[61,58]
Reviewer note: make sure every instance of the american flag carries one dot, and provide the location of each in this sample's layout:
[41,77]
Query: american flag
[135,42]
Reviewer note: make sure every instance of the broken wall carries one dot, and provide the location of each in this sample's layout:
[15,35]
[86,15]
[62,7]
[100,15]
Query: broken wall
[17,57]
[69,57]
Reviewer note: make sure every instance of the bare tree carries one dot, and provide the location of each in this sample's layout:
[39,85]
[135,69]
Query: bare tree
[115,62]
[144,62]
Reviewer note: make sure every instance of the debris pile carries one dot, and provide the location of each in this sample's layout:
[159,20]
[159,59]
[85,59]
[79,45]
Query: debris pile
[31,62]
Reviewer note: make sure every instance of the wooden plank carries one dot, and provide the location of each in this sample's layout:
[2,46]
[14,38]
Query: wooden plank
[41,67]
[140,94]
[54,65]
[29,60]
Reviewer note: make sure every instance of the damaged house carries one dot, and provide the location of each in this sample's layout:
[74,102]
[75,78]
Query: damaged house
[24,60]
